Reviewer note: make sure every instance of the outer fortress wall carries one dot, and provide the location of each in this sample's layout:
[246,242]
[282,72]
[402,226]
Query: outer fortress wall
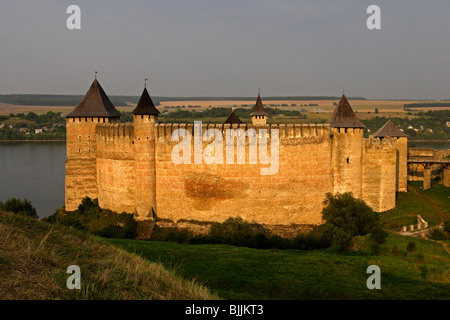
[218,191]
[116,166]
[105,167]
[380,173]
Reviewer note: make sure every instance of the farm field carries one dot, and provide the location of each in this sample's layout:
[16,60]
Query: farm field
[324,107]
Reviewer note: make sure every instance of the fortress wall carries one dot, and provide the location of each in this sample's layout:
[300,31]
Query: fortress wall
[115,167]
[347,155]
[218,191]
[80,177]
[380,173]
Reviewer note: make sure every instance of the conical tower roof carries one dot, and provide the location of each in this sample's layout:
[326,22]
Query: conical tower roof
[145,105]
[344,117]
[95,104]
[258,110]
[389,130]
[233,119]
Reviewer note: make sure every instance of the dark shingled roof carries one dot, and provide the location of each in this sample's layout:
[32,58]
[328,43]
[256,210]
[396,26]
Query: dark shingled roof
[344,117]
[389,130]
[258,110]
[145,105]
[95,104]
[233,118]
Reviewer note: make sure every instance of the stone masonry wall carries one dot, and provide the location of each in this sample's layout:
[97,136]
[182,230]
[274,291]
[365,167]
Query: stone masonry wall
[116,167]
[215,192]
[380,173]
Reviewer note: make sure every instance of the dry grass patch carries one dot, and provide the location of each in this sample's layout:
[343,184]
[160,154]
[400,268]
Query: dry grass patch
[34,257]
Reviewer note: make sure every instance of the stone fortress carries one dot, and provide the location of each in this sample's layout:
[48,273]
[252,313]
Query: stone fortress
[128,167]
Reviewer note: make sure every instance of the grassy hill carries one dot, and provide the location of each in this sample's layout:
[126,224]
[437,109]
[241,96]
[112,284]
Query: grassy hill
[245,273]
[432,204]
[34,257]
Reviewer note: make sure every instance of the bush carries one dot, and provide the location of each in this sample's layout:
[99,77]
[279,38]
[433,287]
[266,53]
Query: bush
[102,222]
[438,234]
[374,249]
[18,206]
[351,215]
[234,231]
[447,225]
[172,234]
[342,239]
[411,246]
[379,235]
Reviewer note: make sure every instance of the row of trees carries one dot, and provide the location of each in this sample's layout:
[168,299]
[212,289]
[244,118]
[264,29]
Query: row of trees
[345,216]
[24,125]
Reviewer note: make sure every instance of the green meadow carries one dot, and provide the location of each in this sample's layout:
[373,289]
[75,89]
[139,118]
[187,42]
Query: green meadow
[244,273]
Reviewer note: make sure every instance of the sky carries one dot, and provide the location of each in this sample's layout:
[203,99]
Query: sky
[227,48]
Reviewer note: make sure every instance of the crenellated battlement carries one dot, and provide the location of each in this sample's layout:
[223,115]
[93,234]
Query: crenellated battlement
[111,130]
[286,131]
[377,143]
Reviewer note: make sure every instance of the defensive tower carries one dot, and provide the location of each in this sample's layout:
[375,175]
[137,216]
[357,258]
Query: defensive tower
[259,116]
[145,116]
[391,130]
[81,172]
[347,149]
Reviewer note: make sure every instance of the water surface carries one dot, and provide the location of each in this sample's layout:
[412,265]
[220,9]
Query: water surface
[33,170]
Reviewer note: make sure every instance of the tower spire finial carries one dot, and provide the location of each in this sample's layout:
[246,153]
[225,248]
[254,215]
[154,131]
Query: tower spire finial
[145,83]
[95,75]
[343,90]
[259,90]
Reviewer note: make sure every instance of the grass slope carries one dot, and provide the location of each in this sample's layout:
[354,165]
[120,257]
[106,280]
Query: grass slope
[244,273]
[34,257]
[432,204]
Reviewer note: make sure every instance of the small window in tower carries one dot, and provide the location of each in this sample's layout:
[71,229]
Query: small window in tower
[79,150]
[142,116]
[89,149]
[348,160]
[139,139]
[79,137]
[147,138]
[89,136]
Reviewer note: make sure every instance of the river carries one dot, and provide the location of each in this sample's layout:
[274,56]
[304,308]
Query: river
[35,170]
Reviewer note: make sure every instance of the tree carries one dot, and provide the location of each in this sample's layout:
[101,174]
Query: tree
[18,206]
[351,215]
